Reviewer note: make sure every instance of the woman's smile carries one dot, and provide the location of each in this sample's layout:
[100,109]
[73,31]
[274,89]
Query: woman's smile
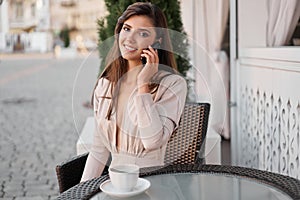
[130,48]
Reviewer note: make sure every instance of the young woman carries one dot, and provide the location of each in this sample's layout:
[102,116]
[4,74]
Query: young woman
[136,106]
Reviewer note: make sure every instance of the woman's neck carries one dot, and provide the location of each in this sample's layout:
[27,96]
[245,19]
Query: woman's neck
[133,64]
[131,74]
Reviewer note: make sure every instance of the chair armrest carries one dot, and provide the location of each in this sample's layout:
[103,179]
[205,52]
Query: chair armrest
[69,172]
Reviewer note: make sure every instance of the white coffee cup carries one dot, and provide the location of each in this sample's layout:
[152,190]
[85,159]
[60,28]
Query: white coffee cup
[124,177]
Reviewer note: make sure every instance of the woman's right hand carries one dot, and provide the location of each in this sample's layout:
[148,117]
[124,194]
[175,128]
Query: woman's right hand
[148,71]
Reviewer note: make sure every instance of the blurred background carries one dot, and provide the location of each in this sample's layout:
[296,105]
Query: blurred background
[48,67]
[42,25]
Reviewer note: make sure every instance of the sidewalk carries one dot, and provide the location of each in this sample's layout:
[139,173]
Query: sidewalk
[8,56]
[40,121]
[67,54]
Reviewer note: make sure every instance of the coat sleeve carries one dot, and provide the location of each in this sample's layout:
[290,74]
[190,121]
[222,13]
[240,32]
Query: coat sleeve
[98,154]
[158,119]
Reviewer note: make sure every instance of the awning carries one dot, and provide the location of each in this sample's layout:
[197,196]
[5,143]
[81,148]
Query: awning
[27,29]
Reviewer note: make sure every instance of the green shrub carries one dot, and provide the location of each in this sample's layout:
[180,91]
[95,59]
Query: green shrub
[65,36]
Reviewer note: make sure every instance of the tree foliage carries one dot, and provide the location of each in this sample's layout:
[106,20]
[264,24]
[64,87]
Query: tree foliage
[65,36]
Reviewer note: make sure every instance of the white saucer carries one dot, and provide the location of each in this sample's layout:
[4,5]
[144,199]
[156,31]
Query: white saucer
[142,186]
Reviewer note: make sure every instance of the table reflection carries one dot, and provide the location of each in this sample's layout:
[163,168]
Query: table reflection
[188,186]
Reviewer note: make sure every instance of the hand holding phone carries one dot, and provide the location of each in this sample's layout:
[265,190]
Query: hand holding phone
[150,67]
[156,46]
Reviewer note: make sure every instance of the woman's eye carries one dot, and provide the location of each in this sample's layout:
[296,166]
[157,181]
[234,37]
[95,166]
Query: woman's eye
[126,29]
[144,34]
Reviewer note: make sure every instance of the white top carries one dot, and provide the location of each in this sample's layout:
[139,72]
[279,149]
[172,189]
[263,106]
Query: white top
[148,121]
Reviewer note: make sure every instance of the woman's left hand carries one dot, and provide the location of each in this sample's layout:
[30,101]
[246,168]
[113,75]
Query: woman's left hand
[150,68]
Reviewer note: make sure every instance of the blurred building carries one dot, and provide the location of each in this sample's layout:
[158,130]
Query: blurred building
[25,26]
[80,17]
[34,25]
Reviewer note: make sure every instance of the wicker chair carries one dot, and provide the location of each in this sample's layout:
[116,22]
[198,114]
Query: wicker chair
[186,145]
[183,148]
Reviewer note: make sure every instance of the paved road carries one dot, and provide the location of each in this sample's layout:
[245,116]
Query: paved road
[38,124]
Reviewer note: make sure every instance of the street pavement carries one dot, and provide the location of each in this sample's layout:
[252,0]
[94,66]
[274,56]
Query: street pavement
[41,115]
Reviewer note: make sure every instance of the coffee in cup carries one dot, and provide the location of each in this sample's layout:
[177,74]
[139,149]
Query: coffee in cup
[124,177]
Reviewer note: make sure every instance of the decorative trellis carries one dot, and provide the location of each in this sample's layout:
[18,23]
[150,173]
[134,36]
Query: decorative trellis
[270,127]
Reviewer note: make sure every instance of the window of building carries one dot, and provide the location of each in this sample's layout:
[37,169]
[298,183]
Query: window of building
[33,9]
[19,10]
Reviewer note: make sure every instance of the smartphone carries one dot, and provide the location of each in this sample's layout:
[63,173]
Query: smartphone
[155,45]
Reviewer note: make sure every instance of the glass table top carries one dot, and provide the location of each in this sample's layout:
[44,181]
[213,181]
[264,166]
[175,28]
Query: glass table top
[203,186]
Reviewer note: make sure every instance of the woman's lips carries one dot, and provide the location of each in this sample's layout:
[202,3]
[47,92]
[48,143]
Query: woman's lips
[129,48]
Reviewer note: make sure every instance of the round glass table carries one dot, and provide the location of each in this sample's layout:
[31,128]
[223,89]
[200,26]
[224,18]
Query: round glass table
[195,181]
[203,186]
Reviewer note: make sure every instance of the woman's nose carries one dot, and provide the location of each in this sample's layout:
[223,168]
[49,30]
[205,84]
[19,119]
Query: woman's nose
[131,36]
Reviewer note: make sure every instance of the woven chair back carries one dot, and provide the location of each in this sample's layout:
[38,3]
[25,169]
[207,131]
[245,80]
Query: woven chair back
[187,140]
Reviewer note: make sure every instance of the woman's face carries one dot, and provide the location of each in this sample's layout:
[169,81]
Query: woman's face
[136,34]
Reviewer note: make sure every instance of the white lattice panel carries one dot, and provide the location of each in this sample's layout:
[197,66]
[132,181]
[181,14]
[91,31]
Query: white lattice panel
[269,111]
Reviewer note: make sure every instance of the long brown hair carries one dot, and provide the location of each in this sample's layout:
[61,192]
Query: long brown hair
[117,66]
